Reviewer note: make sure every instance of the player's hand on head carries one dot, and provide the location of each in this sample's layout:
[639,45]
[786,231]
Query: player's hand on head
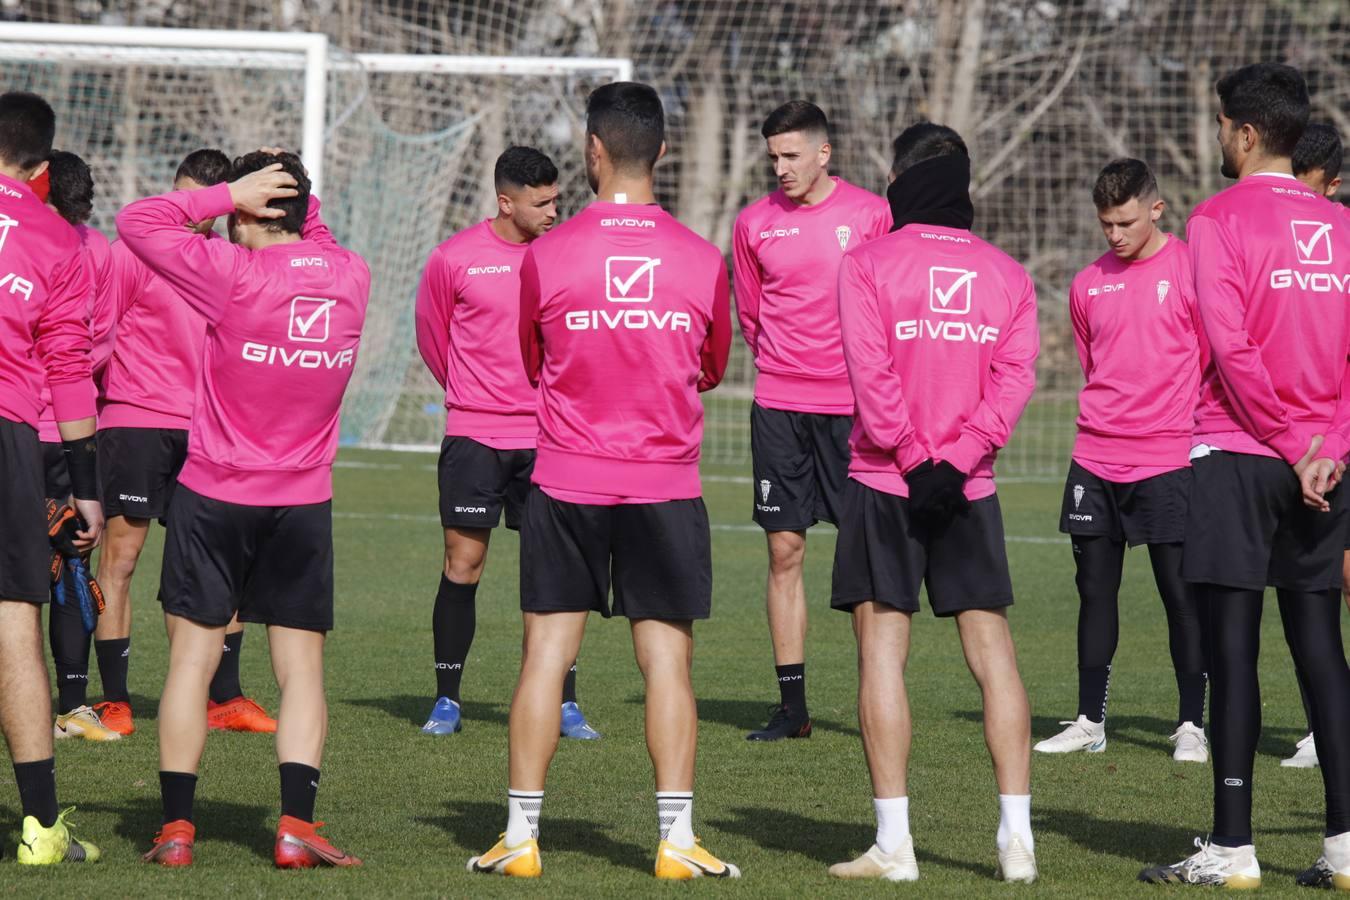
[277,151]
[91,514]
[254,191]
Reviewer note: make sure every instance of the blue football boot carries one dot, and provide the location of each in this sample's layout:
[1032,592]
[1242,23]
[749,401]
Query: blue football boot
[444,717]
[574,724]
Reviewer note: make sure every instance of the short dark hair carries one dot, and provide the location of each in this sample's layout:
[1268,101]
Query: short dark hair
[1272,98]
[1121,181]
[796,115]
[206,166]
[923,141]
[295,207]
[27,129]
[1319,150]
[628,119]
[72,187]
[520,167]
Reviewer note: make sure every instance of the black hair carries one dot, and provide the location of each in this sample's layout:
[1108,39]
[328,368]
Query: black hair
[207,166]
[796,115]
[923,141]
[628,119]
[520,167]
[72,187]
[27,129]
[295,207]
[1121,181]
[1319,150]
[1270,97]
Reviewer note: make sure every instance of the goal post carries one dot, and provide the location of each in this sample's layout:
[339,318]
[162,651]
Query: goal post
[402,147]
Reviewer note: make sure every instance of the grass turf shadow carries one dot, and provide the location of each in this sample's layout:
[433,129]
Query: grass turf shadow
[750,715]
[473,825]
[414,708]
[245,825]
[825,842]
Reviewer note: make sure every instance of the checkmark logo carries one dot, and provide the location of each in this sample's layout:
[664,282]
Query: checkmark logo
[309,319]
[949,290]
[622,277]
[1312,242]
[6,223]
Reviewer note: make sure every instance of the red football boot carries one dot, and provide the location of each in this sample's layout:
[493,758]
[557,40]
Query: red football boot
[173,844]
[300,846]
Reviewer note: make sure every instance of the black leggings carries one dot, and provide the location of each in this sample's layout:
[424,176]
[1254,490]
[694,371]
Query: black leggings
[1312,629]
[1099,562]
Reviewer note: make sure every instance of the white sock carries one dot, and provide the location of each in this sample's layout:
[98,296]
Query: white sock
[1014,818]
[522,817]
[892,822]
[675,816]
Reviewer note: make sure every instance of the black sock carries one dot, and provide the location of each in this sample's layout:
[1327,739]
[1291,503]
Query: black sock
[70,654]
[113,656]
[225,683]
[570,685]
[792,686]
[299,787]
[37,789]
[452,624]
[1093,686]
[176,789]
[1191,691]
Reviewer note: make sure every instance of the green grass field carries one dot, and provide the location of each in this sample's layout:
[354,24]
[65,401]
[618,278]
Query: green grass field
[415,808]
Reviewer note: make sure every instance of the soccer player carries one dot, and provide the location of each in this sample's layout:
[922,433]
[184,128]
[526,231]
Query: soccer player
[143,435]
[786,251]
[1317,163]
[941,340]
[469,297]
[1138,340]
[250,524]
[1272,270]
[71,194]
[44,338]
[625,316]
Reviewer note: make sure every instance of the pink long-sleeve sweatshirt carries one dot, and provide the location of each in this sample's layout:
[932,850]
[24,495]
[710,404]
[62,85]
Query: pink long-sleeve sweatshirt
[283,327]
[468,317]
[45,338]
[96,256]
[624,317]
[786,261]
[941,340]
[1272,273]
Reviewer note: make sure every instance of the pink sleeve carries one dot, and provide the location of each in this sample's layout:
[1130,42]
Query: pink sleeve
[63,340]
[883,222]
[1219,280]
[314,228]
[531,338]
[1081,336]
[746,269]
[201,271]
[104,317]
[1012,378]
[878,392]
[435,299]
[717,345]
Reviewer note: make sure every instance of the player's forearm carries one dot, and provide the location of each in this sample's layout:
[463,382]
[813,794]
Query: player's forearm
[153,229]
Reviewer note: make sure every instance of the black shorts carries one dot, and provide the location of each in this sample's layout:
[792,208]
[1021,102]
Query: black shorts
[270,564]
[658,556]
[138,470]
[56,477]
[1151,511]
[25,554]
[1248,527]
[882,555]
[800,463]
[477,482]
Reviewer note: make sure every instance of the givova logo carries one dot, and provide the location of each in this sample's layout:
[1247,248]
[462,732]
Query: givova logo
[779,232]
[1312,247]
[949,290]
[16,283]
[629,279]
[487,270]
[1312,242]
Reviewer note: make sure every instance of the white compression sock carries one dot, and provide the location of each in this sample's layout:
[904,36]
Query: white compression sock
[1014,818]
[522,817]
[675,815]
[892,822]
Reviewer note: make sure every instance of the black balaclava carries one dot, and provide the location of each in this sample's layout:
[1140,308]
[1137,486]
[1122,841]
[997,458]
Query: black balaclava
[933,192]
